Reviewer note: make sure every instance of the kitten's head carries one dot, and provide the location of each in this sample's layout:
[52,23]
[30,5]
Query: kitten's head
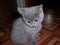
[32,16]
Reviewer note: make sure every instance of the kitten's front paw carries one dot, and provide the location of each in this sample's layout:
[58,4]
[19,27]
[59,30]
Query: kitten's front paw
[33,43]
[35,38]
[26,43]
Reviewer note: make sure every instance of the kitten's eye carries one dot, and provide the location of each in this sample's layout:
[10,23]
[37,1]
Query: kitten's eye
[28,21]
[36,20]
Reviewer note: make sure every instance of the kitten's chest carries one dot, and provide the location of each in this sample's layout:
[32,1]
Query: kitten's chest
[30,29]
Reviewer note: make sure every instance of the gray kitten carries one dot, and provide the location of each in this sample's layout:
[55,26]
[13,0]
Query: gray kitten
[25,29]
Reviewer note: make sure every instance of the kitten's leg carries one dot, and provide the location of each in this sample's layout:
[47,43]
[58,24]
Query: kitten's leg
[34,39]
[24,43]
[21,43]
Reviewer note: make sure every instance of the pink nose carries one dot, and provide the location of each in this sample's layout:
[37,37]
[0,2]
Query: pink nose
[34,25]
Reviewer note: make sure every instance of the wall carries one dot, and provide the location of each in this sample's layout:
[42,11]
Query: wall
[7,9]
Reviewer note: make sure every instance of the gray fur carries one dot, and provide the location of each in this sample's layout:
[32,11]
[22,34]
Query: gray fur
[25,29]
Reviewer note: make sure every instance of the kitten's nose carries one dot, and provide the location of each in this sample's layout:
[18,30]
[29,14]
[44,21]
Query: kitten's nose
[34,25]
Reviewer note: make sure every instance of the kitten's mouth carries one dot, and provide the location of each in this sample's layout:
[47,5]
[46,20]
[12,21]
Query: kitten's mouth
[32,26]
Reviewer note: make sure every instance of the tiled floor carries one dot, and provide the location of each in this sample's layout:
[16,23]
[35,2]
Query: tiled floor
[49,34]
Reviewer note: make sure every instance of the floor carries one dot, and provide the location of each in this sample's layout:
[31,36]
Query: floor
[49,34]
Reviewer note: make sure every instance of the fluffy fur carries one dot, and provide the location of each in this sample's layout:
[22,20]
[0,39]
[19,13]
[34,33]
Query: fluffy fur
[24,29]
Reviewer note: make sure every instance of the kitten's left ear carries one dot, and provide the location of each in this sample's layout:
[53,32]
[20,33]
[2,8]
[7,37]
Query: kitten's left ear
[21,10]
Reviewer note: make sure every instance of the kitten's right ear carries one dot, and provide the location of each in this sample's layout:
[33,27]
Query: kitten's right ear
[21,10]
